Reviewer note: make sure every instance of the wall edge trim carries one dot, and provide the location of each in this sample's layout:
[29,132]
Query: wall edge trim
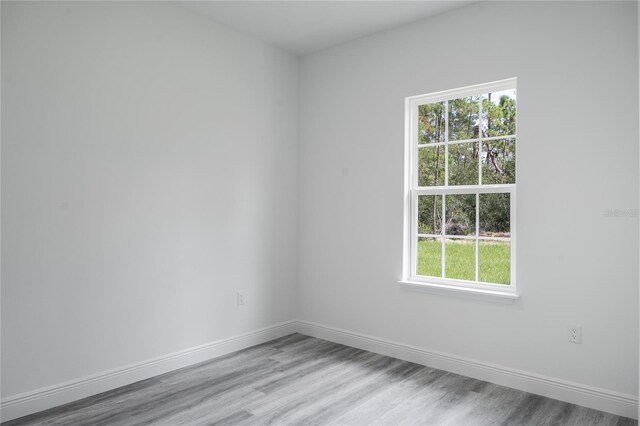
[576,393]
[44,398]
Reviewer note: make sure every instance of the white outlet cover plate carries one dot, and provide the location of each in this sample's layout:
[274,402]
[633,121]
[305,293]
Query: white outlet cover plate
[575,334]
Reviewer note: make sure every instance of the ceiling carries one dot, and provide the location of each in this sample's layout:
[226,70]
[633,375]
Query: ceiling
[303,27]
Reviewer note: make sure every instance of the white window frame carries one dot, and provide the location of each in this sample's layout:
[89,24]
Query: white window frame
[410,279]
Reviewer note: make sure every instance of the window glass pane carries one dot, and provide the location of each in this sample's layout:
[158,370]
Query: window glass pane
[495,215]
[463,118]
[460,260]
[463,163]
[431,123]
[460,214]
[499,161]
[431,166]
[430,257]
[494,262]
[429,214]
[499,113]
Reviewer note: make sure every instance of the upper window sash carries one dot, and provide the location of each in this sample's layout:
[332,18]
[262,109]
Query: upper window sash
[476,90]
[414,102]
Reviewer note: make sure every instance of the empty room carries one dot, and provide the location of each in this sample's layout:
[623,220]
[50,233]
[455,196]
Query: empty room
[319,212]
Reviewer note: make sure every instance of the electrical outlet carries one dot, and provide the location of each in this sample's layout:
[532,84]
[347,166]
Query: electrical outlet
[575,334]
[240,298]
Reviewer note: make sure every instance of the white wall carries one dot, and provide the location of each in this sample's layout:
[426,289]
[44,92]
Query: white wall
[148,173]
[577,70]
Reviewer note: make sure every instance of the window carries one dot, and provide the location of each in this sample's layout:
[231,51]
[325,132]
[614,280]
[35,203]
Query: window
[460,167]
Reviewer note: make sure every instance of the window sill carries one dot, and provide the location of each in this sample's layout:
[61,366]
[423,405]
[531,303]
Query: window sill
[473,293]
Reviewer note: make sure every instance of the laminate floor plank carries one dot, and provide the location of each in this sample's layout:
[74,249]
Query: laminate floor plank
[300,369]
[430,405]
[371,411]
[317,403]
[300,380]
[331,406]
[494,405]
[279,404]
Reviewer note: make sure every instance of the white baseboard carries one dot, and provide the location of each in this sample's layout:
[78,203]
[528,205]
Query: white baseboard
[575,393]
[41,399]
[52,396]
